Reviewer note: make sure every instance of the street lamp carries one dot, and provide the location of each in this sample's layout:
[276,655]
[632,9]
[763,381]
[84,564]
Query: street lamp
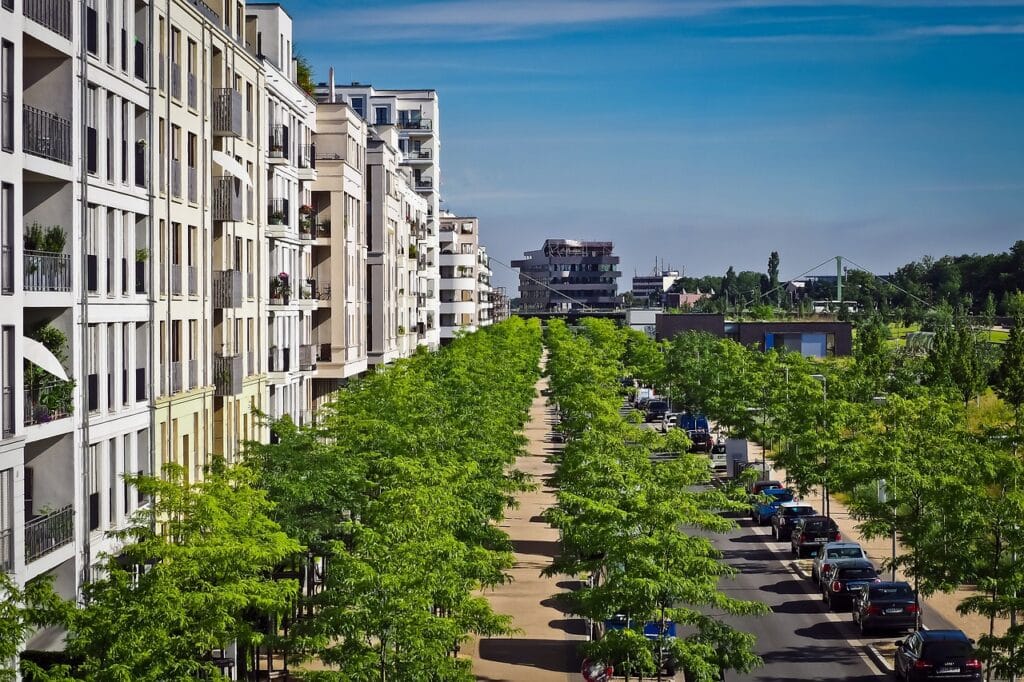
[824,478]
[881,400]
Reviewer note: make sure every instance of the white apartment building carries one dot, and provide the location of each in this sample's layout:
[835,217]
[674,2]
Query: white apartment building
[292,291]
[396,215]
[416,114]
[208,253]
[461,272]
[484,305]
[340,249]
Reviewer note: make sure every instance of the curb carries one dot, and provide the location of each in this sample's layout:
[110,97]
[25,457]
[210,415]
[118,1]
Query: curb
[878,659]
[799,570]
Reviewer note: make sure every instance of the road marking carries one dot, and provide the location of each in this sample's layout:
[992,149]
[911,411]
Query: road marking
[788,561]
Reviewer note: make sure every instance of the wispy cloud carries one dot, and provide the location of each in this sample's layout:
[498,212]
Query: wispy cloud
[954,30]
[502,20]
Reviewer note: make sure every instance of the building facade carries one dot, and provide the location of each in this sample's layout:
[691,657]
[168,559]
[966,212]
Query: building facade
[566,274]
[650,289]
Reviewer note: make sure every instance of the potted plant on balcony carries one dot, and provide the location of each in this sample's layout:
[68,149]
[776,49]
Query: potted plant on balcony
[306,290]
[280,288]
[277,217]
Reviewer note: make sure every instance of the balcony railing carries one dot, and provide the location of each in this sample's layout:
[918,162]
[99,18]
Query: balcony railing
[307,357]
[415,123]
[53,14]
[193,280]
[7,412]
[175,280]
[227,112]
[48,401]
[193,374]
[193,185]
[423,184]
[227,199]
[415,154]
[193,90]
[47,135]
[307,156]
[250,363]
[7,550]
[207,11]
[277,212]
[227,289]
[47,271]
[278,142]
[176,81]
[227,375]
[6,269]
[176,377]
[176,178]
[49,532]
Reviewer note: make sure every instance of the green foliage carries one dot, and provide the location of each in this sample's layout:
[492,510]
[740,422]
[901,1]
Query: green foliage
[47,239]
[195,574]
[399,487]
[23,610]
[628,523]
[1009,382]
[960,359]
[304,74]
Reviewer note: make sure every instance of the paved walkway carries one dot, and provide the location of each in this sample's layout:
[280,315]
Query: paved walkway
[545,648]
[941,604]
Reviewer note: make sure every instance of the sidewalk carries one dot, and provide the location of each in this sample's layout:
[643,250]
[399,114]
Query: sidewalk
[939,609]
[545,648]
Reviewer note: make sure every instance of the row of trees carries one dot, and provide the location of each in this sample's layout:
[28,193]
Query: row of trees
[359,543]
[899,435]
[640,531]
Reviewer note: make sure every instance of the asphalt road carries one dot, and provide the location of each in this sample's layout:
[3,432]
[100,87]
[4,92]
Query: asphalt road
[799,639]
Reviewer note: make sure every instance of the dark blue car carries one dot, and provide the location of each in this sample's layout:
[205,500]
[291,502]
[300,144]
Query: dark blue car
[762,510]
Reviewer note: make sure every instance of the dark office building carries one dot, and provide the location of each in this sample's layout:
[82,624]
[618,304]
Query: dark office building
[584,272]
[812,338]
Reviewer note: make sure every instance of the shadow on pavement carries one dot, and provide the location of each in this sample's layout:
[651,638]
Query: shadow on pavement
[827,630]
[573,626]
[753,538]
[818,654]
[559,657]
[789,586]
[802,606]
[548,548]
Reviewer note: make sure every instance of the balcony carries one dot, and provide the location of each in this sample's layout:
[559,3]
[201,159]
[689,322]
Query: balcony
[175,280]
[414,123]
[193,185]
[227,289]
[227,112]
[47,135]
[6,550]
[307,357]
[277,145]
[279,360]
[176,81]
[192,89]
[277,212]
[193,280]
[176,377]
[418,155]
[53,14]
[227,375]
[48,401]
[176,178]
[45,271]
[227,199]
[49,532]
[423,184]
[307,156]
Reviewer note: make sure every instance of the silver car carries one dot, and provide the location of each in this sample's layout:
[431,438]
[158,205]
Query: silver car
[833,551]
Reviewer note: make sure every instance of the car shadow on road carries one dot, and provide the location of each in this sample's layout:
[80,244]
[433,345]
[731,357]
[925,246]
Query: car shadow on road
[828,630]
[788,586]
[548,548]
[545,654]
[750,539]
[572,626]
[798,606]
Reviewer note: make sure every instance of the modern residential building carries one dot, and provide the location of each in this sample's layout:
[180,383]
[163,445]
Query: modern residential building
[484,304]
[500,305]
[650,289]
[416,115]
[293,293]
[396,215]
[566,274]
[465,277]
[209,234]
[339,263]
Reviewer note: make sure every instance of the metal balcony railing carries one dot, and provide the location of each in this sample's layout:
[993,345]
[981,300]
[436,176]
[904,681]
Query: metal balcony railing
[227,289]
[207,11]
[227,199]
[45,271]
[176,80]
[175,280]
[176,178]
[227,112]
[48,401]
[7,550]
[193,90]
[46,135]
[193,185]
[307,357]
[227,375]
[414,123]
[6,270]
[278,142]
[193,374]
[423,184]
[6,412]
[417,154]
[193,280]
[277,212]
[175,377]
[53,14]
[49,532]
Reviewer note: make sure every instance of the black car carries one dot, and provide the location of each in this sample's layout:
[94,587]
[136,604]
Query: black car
[700,442]
[845,578]
[937,655]
[885,605]
[655,410]
[786,517]
[813,533]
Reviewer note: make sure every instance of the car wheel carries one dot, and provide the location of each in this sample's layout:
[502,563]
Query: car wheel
[814,575]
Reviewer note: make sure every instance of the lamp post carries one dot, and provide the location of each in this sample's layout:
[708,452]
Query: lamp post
[881,400]
[824,478]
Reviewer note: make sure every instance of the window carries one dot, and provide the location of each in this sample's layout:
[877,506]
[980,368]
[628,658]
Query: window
[7,383]
[359,106]
[382,115]
[6,238]
[7,97]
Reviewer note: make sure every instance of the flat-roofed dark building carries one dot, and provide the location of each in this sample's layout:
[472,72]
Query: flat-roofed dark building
[811,338]
[585,272]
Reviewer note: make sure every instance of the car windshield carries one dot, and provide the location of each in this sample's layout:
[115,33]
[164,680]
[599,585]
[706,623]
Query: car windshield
[799,511]
[818,525]
[845,553]
[852,573]
[781,497]
[947,649]
[891,592]
[656,405]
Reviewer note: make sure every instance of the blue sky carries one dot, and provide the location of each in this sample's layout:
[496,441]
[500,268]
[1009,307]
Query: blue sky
[709,132]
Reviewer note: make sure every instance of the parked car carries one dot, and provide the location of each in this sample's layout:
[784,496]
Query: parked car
[786,517]
[832,551]
[811,533]
[718,446]
[937,655]
[668,422]
[694,422]
[757,486]
[844,578]
[655,410]
[700,442]
[766,502]
[885,605]
[652,631]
